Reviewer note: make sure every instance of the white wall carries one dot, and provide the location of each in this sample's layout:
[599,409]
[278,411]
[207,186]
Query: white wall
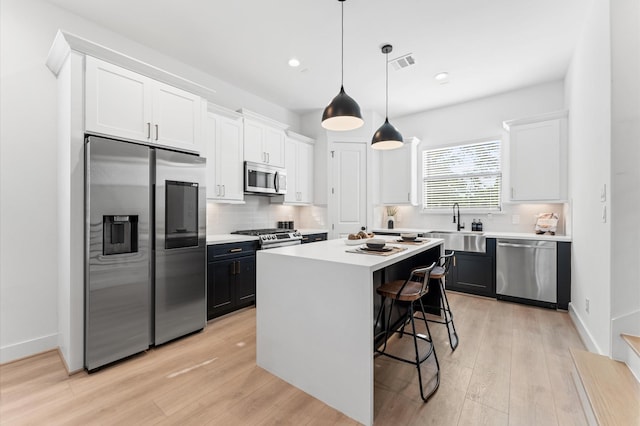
[29,162]
[625,155]
[588,98]
[469,121]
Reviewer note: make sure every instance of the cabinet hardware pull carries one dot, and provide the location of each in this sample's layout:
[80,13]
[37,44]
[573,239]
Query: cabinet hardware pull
[318,239]
[237,267]
[512,192]
[224,190]
[268,159]
[235,250]
[157,132]
[148,130]
[408,196]
[305,239]
[218,190]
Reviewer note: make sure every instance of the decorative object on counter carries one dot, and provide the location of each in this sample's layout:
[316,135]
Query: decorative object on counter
[391,216]
[343,113]
[376,244]
[547,222]
[359,238]
[387,136]
[415,242]
[387,251]
[409,236]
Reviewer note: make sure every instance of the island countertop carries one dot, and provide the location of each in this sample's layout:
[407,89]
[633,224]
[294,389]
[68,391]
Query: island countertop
[336,251]
[315,316]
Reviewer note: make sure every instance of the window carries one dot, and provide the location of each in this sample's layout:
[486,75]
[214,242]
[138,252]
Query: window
[468,174]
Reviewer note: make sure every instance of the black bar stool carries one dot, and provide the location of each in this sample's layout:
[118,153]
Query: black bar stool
[439,273]
[406,293]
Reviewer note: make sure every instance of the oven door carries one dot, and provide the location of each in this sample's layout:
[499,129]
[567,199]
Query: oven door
[280,244]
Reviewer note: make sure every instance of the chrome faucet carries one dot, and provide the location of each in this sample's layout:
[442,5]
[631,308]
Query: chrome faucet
[460,225]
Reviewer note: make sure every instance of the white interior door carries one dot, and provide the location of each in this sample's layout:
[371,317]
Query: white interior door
[348,193]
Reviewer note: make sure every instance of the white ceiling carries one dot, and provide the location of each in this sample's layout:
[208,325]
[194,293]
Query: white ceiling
[487,46]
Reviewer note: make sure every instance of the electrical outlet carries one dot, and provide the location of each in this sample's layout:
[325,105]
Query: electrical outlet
[586,304]
[515,219]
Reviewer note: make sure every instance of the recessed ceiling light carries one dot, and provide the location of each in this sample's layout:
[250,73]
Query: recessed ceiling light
[293,62]
[441,76]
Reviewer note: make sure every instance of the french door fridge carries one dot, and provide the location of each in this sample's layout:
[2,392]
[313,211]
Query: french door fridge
[145,219]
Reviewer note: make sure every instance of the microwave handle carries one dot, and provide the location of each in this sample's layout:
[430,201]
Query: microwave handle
[275,183]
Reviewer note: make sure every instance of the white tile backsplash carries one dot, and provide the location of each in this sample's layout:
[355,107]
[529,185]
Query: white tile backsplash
[258,212]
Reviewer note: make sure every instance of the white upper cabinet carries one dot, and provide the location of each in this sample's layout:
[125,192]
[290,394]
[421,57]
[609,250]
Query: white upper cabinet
[399,174]
[538,158]
[263,140]
[299,166]
[225,148]
[124,104]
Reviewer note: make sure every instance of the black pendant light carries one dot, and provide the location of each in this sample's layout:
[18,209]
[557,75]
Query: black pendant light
[387,136]
[343,113]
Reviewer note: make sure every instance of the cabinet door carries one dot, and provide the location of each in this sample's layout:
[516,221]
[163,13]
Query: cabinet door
[118,101]
[177,118]
[536,161]
[229,159]
[305,173]
[245,280]
[399,175]
[220,280]
[210,130]
[291,164]
[253,135]
[473,274]
[273,145]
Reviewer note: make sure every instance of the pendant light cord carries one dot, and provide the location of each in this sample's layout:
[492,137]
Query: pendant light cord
[386,64]
[342,46]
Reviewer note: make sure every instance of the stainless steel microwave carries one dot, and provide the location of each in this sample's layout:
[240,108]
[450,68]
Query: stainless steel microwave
[264,179]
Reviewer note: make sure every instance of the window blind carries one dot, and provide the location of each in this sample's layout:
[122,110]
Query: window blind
[468,174]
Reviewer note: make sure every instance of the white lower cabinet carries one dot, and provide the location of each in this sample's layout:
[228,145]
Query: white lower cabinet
[299,166]
[399,174]
[224,158]
[128,105]
[538,158]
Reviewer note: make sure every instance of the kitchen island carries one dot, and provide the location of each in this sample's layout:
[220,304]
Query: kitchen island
[315,316]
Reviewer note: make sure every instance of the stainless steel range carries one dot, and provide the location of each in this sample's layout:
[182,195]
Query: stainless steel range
[274,237]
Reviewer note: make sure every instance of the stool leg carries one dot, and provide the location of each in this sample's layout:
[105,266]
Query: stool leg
[432,349]
[448,317]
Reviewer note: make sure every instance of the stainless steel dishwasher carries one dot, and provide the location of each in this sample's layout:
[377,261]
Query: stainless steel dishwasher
[526,269]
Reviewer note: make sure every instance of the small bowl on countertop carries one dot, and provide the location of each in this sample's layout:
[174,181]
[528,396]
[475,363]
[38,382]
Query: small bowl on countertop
[409,237]
[376,244]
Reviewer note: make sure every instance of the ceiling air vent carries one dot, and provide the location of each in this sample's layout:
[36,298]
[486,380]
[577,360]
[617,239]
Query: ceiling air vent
[403,61]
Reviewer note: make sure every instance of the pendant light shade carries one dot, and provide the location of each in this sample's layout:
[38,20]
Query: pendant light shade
[387,136]
[343,113]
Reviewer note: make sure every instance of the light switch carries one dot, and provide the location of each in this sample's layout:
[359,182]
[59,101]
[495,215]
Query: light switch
[603,193]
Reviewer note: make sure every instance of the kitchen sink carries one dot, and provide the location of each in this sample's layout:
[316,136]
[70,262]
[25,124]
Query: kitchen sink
[461,240]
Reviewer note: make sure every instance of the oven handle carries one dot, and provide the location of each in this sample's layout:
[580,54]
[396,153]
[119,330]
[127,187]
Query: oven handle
[281,244]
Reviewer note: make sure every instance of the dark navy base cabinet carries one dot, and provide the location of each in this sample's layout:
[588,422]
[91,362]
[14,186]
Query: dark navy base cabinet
[474,273]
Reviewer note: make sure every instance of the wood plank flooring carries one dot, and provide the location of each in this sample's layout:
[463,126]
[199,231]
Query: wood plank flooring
[512,367]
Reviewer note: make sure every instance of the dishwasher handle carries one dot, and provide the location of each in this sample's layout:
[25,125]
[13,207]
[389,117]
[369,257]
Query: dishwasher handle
[525,246]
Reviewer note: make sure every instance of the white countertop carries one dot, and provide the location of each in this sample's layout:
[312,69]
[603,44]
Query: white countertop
[335,251]
[488,234]
[229,238]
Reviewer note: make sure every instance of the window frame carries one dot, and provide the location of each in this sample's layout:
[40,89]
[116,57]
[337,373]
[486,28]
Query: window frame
[447,210]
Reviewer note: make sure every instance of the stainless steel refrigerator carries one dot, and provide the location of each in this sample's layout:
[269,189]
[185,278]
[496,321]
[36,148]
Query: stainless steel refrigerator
[145,218]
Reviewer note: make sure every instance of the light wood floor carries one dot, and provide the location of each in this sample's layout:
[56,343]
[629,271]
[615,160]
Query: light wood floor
[512,367]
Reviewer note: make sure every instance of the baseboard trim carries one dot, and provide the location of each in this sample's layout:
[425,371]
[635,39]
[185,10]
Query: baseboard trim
[28,348]
[585,336]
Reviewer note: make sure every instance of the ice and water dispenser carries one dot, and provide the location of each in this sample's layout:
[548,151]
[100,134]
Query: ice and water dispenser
[120,234]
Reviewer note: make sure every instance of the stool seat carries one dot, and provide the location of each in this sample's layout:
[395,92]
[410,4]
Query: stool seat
[394,290]
[437,273]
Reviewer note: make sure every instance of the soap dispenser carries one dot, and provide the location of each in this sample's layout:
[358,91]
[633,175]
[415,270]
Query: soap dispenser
[474,225]
[479,225]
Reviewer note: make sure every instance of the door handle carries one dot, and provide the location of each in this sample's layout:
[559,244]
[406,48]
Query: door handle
[524,246]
